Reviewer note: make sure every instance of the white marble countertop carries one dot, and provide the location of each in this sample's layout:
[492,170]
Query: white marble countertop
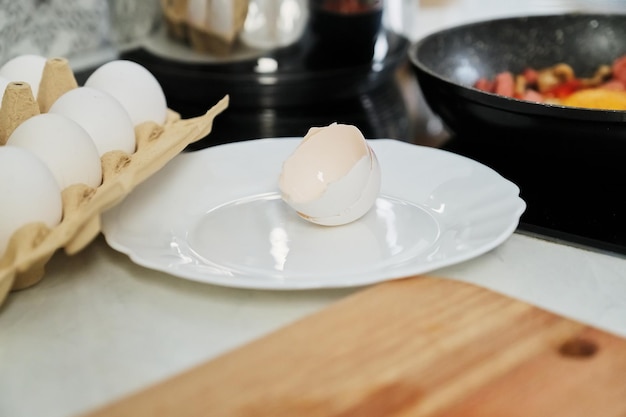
[99,327]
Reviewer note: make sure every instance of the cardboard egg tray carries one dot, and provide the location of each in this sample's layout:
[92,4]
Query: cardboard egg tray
[31,247]
[203,38]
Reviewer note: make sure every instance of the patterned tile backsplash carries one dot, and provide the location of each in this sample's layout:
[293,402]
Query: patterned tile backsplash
[86,32]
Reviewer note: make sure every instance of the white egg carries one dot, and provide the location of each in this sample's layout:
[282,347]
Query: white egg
[3,86]
[28,68]
[63,145]
[101,115]
[28,193]
[134,87]
[333,177]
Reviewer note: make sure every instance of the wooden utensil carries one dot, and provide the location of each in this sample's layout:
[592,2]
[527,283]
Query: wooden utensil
[422,346]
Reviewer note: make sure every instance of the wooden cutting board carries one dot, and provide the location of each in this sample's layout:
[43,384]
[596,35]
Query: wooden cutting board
[422,346]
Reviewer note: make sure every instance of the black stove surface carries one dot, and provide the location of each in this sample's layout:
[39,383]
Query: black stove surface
[576,197]
[579,199]
[379,113]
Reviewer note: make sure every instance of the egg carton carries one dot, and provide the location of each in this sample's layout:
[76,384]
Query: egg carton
[33,245]
[199,35]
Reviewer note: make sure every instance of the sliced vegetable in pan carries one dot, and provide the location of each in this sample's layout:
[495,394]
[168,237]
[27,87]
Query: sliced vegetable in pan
[559,84]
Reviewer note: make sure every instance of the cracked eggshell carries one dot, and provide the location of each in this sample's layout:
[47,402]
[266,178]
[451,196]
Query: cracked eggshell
[101,115]
[333,177]
[134,87]
[64,147]
[28,193]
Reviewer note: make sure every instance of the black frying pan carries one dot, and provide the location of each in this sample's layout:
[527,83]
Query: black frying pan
[448,62]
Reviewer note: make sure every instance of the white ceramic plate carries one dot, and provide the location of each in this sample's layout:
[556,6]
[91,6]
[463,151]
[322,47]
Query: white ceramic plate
[215,216]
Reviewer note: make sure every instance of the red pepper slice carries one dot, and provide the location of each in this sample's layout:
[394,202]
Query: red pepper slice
[564,89]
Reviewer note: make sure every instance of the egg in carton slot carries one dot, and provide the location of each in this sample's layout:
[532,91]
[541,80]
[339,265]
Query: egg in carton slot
[32,245]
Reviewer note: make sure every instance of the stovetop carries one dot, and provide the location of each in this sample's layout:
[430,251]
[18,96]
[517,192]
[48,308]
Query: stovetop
[578,199]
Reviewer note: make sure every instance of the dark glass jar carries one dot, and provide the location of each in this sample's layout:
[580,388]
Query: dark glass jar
[344,31]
